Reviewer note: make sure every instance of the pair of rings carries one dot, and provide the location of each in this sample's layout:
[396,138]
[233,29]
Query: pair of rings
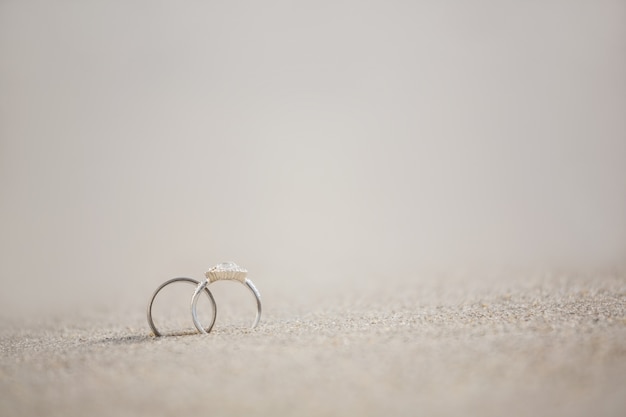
[224,271]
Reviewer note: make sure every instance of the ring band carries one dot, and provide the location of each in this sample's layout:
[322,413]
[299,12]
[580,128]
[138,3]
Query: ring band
[225,271]
[181,279]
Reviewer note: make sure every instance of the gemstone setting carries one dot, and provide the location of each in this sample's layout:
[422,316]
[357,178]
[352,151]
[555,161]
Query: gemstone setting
[227,271]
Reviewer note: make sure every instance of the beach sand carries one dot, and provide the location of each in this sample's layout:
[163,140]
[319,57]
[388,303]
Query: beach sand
[537,345]
[342,152]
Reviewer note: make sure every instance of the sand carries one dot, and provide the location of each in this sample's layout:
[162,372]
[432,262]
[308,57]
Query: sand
[541,345]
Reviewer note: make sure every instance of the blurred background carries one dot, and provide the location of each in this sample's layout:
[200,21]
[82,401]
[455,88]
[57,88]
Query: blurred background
[312,142]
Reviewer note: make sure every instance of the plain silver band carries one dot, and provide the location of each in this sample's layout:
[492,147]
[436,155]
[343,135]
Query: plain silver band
[203,285]
[181,279]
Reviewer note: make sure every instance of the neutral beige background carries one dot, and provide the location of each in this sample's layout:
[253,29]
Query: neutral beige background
[142,140]
[430,195]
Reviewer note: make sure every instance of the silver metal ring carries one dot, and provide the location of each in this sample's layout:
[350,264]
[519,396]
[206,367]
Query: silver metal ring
[226,271]
[181,279]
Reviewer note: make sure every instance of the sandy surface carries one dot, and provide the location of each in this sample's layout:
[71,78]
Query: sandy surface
[329,147]
[540,345]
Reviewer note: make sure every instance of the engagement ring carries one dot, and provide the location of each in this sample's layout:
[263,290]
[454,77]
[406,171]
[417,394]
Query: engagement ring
[224,271]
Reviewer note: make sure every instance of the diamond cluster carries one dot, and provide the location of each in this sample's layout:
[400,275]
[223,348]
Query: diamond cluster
[226,271]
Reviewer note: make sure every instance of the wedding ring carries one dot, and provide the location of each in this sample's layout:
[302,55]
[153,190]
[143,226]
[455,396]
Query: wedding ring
[191,281]
[224,271]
